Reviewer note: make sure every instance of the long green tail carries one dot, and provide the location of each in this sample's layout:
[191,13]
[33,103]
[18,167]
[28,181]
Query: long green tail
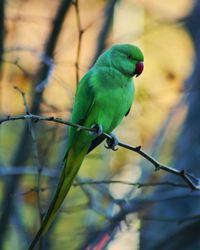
[72,164]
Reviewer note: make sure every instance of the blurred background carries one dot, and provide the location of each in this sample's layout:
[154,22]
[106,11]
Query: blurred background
[45,48]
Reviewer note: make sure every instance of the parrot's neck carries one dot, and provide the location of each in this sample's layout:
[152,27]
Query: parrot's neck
[107,74]
[103,61]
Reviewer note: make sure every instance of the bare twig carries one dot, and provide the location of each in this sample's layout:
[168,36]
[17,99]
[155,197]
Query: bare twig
[17,64]
[34,190]
[44,58]
[80,34]
[2,31]
[24,100]
[28,170]
[2,34]
[192,181]
[92,202]
[137,184]
[37,118]
[108,17]
[170,219]
[28,18]
[52,173]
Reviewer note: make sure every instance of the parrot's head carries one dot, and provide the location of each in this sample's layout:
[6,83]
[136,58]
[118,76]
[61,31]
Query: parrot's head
[127,58]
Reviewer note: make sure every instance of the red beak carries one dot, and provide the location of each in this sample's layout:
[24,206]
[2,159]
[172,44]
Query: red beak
[139,68]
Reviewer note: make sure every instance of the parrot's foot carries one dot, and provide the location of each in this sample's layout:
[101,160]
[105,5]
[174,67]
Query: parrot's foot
[98,130]
[112,142]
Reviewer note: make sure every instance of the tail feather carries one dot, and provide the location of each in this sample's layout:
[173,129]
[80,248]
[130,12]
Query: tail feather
[71,166]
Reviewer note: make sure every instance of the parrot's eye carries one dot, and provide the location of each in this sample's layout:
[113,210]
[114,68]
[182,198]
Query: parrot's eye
[130,57]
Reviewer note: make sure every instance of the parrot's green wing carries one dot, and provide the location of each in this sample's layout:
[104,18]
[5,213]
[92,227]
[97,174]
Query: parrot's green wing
[84,101]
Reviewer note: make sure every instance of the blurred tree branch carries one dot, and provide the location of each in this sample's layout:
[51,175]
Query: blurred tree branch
[101,41]
[37,118]
[173,220]
[22,153]
[32,170]
[186,156]
[17,64]
[35,151]
[27,170]
[137,184]
[80,34]
[136,205]
[2,33]
[191,230]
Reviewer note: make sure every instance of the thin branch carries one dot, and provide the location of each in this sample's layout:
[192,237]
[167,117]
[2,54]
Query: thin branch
[44,58]
[52,173]
[137,184]
[132,206]
[37,118]
[24,100]
[34,190]
[17,64]
[2,31]
[192,181]
[108,18]
[28,18]
[21,170]
[2,34]
[80,34]
[92,202]
[170,219]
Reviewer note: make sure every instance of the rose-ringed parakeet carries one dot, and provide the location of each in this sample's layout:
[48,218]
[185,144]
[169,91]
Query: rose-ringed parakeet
[103,97]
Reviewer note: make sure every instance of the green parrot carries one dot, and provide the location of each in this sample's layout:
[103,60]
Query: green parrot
[103,97]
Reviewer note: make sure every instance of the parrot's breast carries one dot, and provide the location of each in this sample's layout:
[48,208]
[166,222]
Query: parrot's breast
[111,105]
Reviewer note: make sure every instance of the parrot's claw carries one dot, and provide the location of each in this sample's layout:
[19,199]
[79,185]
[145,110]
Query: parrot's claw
[111,143]
[98,130]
